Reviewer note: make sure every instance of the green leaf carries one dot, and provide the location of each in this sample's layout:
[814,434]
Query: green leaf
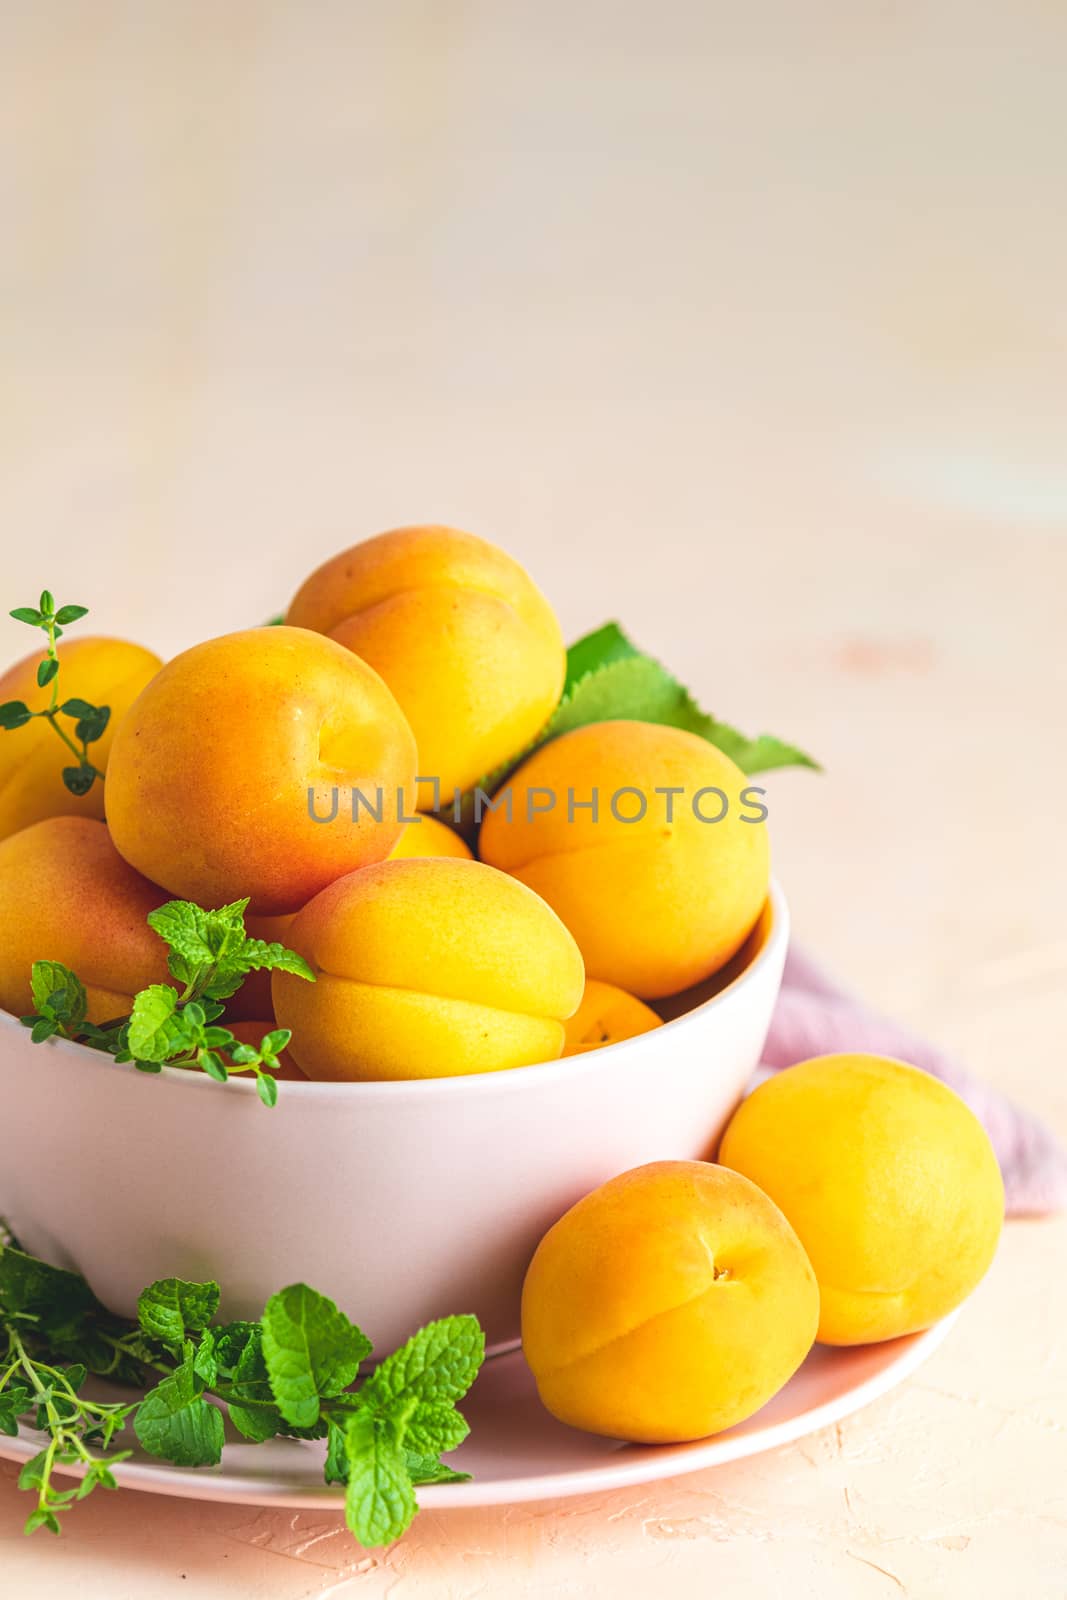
[427,1469]
[58,994]
[41,1517]
[595,650]
[311,1349]
[69,614]
[244,1055]
[212,1063]
[28,1285]
[608,679]
[77,708]
[435,1426]
[92,727]
[267,1088]
[175,1423]
[79,780]
[47,603]
[273,1043]
[205,1363]
[217,1038]
[440,1362]
[224,928]
[28,614]
[14,714]
[15,1401]
[764,753]
[336,1468]
[157,1030]
[32,1474]
[636,688]
[239,1350]
[182,926]
[379,1498]
[231,1341]
[173,1307]
[257,953]
[46,671]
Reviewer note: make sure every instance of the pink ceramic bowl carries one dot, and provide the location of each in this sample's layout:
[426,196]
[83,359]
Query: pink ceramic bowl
[402,1201]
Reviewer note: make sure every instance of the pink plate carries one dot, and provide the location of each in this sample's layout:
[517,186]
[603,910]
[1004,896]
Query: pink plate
[516,1451]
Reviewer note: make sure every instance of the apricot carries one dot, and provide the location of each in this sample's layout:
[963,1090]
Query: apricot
[606,1015]
[889,1179]
[219,764]
[469,646]
[659,889]
[425,837]
[67,895]
[103,672]
[430,837]
[666,1305]
[427,968]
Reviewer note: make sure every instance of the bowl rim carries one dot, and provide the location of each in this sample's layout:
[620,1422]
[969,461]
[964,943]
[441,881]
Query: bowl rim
[464,1083]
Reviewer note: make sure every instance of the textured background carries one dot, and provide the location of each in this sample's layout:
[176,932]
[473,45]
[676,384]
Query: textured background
[745,324]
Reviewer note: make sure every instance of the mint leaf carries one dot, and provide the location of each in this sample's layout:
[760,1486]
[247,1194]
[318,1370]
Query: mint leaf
[181,925]
[427,1469]
[205,1364]
[435,1426]
[28,614]
[439,1363]
[259,1419]
[68,614]
[156,1028]
[257,953]
[28,1285]
[249,1396]
[175,1423]
[231,1341]
[172,1307]
[211,949]
[379,1499]
[311,1349]
[58,994]
[336,1468]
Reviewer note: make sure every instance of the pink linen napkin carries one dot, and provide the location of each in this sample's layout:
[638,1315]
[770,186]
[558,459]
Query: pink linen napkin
[814,1017]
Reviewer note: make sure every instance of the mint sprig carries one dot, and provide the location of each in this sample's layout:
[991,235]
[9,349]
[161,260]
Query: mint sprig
[295,1371]
[210,955]
[90,721]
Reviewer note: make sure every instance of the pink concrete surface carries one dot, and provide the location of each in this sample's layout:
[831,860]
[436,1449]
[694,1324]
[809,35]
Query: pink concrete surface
[744,325]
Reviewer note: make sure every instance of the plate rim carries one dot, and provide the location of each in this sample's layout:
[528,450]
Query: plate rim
[616,1472]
